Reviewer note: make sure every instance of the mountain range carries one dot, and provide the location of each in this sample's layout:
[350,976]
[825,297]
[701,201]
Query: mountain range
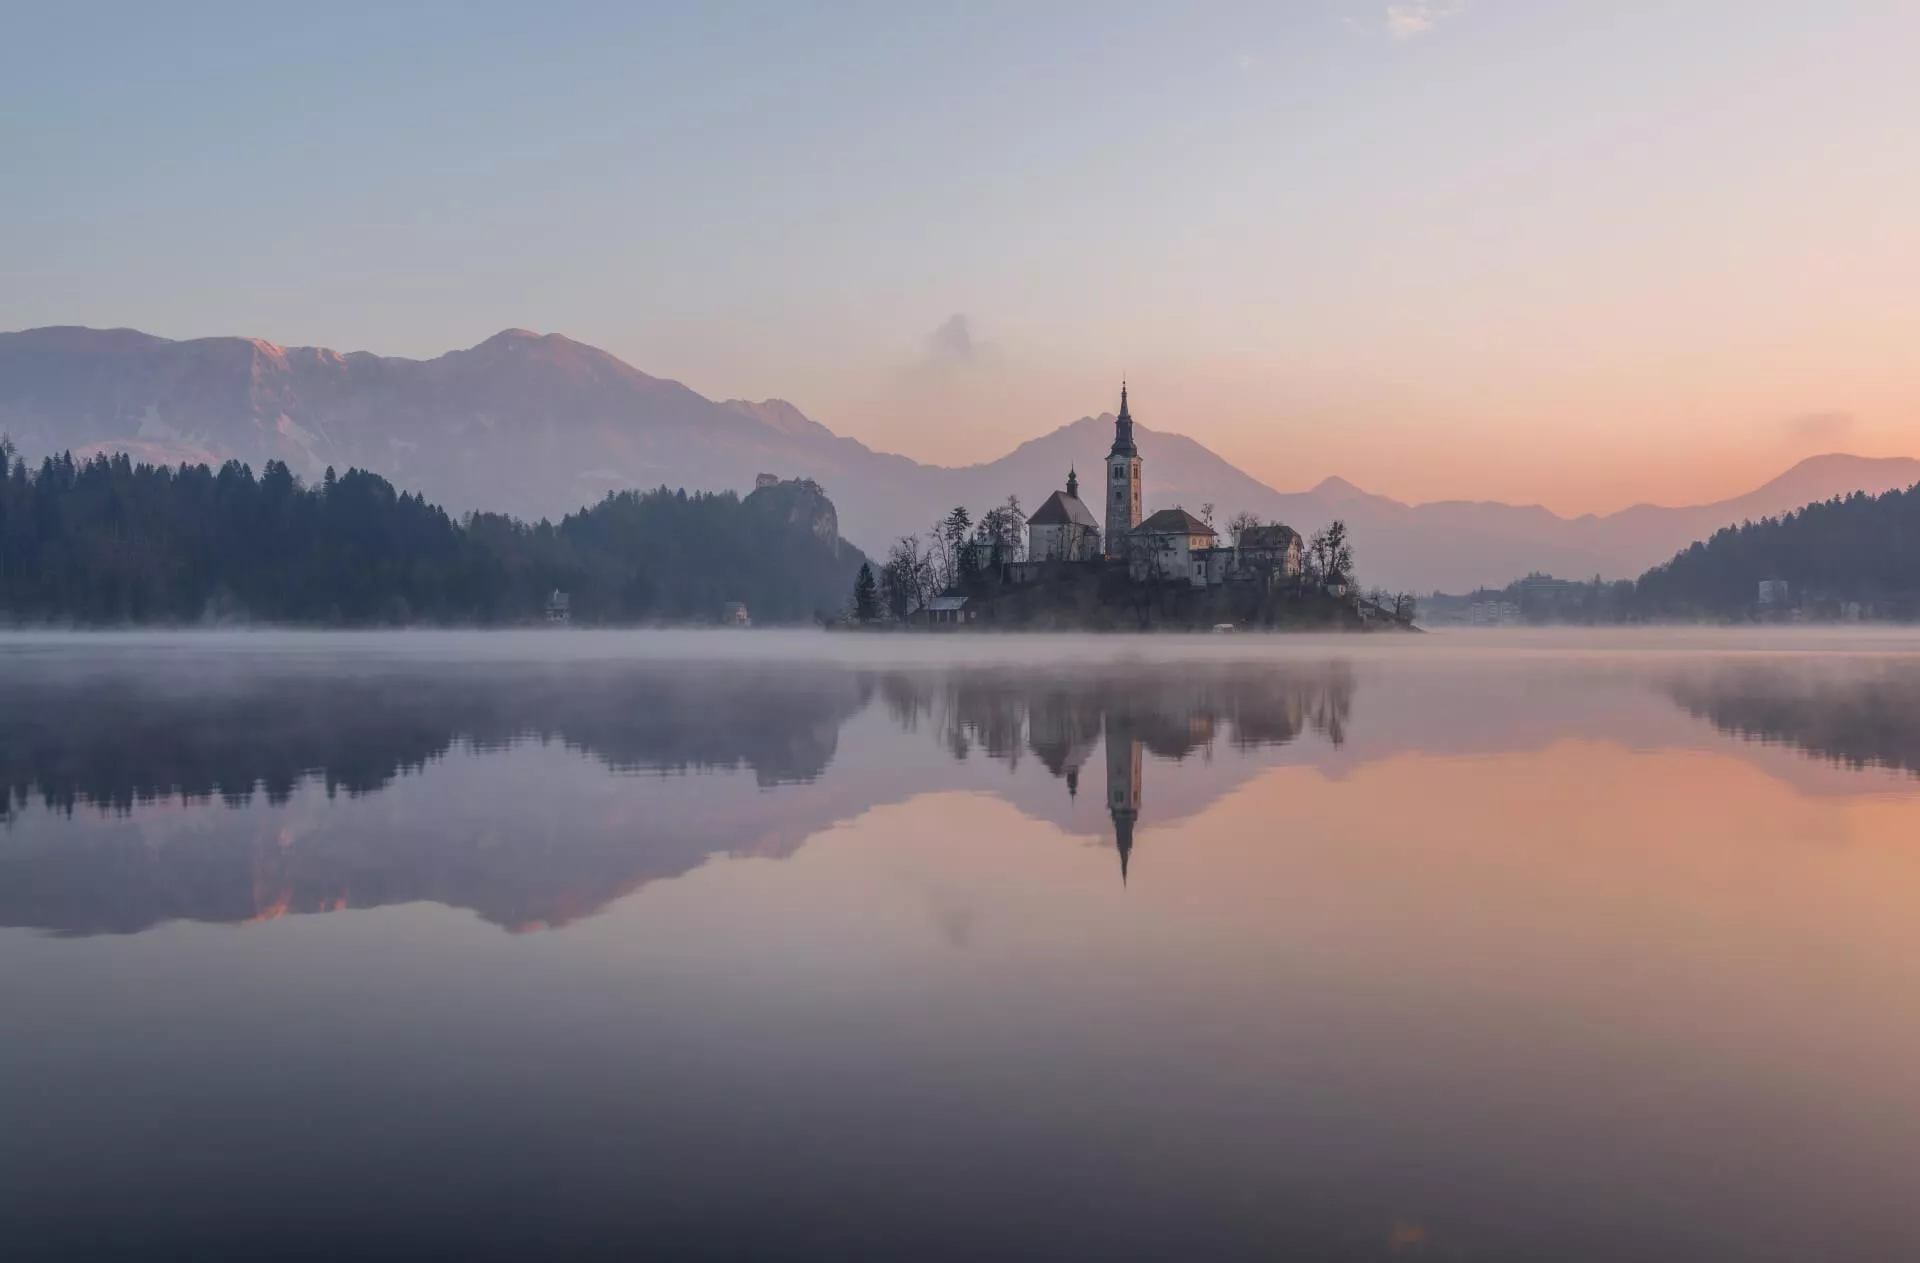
[538,425]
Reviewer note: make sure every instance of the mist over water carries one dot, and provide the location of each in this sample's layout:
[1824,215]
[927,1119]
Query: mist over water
[745,945]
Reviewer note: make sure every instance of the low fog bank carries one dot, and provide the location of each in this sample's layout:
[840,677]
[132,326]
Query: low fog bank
[208,655]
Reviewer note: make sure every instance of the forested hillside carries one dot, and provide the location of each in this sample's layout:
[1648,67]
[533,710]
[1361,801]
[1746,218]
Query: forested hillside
[1859,548]
[108,541]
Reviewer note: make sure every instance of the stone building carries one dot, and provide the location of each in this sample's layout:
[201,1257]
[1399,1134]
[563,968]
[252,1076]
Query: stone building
[1174,544]
[1271,552]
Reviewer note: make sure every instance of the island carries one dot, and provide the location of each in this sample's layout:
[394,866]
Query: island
[1063,569]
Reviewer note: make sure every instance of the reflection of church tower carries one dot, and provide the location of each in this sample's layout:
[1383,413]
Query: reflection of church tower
[1123,788]
[1123,482]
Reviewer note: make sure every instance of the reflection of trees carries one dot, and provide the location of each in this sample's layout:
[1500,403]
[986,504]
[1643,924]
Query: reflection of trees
[496,835]
[1174,711]
[117,740]
[1861,716]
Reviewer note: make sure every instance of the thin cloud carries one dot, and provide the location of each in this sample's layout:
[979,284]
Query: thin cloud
[1820,427]
[952,342]
[1411,19]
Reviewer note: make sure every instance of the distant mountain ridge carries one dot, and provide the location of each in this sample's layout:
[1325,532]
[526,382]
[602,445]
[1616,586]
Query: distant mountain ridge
[538,424]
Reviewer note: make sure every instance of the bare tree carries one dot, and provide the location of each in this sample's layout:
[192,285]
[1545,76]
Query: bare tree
[941,559]
[1329,556]
[1240,523]
[1206,514]
[906,582]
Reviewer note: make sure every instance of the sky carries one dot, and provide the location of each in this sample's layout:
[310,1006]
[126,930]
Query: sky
[1578,254]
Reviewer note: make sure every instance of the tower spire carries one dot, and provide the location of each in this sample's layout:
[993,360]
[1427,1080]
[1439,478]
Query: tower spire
[1122,493]
[1123,427]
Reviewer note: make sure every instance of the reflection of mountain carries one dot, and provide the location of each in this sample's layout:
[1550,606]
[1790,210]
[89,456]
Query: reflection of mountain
[1856,715]
[521,836]
[530,838]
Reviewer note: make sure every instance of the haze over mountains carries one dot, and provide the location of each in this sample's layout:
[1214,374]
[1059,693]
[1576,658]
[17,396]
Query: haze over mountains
[540,425]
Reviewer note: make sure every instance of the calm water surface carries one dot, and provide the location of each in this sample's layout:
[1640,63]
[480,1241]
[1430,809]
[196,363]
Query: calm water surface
[766,946]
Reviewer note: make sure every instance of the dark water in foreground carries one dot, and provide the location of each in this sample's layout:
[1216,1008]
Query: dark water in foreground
[723,947]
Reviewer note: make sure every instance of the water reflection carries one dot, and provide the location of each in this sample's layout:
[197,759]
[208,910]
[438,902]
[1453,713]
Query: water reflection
[117,738]
[133,800]
[1856,714]
[1297,955]
[535,794]
[1129,712]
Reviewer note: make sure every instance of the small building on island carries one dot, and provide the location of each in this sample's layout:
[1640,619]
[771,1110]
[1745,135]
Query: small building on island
[948,611]
[1271,552]
[1173,544]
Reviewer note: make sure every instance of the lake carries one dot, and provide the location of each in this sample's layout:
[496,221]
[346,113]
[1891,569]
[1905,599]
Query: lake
[766,945]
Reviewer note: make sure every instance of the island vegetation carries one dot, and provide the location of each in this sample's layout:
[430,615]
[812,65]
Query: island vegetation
[978,572]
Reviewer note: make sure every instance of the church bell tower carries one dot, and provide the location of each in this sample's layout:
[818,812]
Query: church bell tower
[1123,482]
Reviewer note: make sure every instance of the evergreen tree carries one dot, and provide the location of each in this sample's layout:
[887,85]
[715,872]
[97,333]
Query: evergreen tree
[1856,548]
[108,541]
[866,596]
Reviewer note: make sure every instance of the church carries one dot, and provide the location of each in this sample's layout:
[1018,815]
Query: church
[1063,529]
[1169,546]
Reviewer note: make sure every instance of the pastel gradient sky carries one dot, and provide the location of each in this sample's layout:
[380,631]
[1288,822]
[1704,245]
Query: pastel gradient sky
[1581,254]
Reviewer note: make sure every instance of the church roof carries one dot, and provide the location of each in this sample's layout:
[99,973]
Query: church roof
[1062,509]
[1272,535]
[1173,522]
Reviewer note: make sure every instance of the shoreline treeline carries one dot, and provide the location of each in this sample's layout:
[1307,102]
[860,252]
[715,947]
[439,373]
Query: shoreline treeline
[106,541]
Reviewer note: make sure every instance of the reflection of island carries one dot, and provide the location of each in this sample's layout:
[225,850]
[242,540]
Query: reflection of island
[1170,713]
[1856,715]
[135,800]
